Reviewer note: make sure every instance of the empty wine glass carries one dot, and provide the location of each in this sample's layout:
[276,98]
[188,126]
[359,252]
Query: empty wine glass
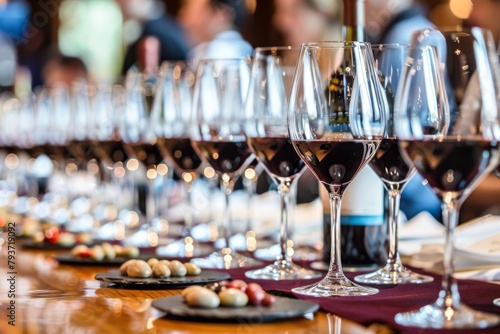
[336,121]
[267,136]
[218,136]
[447,123]
[393,170]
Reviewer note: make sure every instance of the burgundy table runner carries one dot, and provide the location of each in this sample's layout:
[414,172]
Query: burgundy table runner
[382,307]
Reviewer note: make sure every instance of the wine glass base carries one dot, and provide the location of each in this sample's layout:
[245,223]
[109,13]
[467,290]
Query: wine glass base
[323,266]
[435,316]
[181,248]
[393,274]
[279,271]
[224,260]
[335,284]
[301,253]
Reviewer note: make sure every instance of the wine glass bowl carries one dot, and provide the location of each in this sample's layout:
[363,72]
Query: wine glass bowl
[217,134]
[391,168]
[446,120]
[267,136]
[336,121]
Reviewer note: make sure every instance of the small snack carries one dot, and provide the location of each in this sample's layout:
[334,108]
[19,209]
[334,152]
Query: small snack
[161,270]
[166,262]
[236,293]
[152,261]
[139,268]
[96,253]
[124,266]
[130,251]
[191,289]
[233,297]
[177,268]
[105,250]
[204,298]
[118,250]
[255,293]
[192,269]
[79,249]
[109,251]
[65,239]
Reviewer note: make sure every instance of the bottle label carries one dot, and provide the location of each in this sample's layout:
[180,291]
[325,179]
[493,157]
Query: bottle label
[363,200]
[361,220]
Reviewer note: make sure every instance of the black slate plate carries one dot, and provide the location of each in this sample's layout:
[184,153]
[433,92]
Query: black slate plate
[44,245]
[118,280]
[67,258]
[283,308]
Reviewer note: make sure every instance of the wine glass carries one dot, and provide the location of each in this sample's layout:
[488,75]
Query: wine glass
[218,136]
[392,169]
[267,136]
[171,122]
[336,123]
[447,123]
[110,153]
[137,133]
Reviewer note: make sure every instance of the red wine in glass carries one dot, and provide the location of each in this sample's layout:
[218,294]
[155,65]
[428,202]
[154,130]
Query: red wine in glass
[451,165]
[389,165]
[336,161]
[224,156]
[277,154]
[147,153]
[110,151]
[181,152]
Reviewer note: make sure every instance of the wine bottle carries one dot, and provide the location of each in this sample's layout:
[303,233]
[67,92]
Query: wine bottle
[363,211]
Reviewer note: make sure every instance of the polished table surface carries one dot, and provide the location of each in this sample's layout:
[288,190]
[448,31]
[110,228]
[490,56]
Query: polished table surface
[52,298]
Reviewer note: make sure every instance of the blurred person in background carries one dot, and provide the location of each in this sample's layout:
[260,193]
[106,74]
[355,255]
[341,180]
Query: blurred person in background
[13,18]
[151,16]
[213,28]
[8,63]
[387,22]
[64,70]
[302,21]
[485,199]
[485,13]
[394,21]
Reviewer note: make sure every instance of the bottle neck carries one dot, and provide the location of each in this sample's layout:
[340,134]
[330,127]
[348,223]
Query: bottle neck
[354,20]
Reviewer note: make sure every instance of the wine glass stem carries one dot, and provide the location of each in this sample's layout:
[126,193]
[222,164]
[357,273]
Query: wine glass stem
[151,203]
[188,216]
[284,192]
[227,187]
[335,259]
[394,200]
[449,296]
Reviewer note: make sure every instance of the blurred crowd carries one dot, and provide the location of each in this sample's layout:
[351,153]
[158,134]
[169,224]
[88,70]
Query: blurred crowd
[216,29]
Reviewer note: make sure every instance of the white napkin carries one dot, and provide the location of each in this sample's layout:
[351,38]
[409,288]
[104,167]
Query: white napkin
[474,257]
[419,231]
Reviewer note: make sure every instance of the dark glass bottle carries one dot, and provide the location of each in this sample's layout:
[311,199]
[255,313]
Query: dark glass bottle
[363,212]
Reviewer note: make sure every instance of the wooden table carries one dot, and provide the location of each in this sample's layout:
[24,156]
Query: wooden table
[52,298]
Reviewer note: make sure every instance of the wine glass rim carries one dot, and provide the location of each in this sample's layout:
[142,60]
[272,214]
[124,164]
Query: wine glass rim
[447,30]
[277,48]
[336,44]
[224,60]
[381,46]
